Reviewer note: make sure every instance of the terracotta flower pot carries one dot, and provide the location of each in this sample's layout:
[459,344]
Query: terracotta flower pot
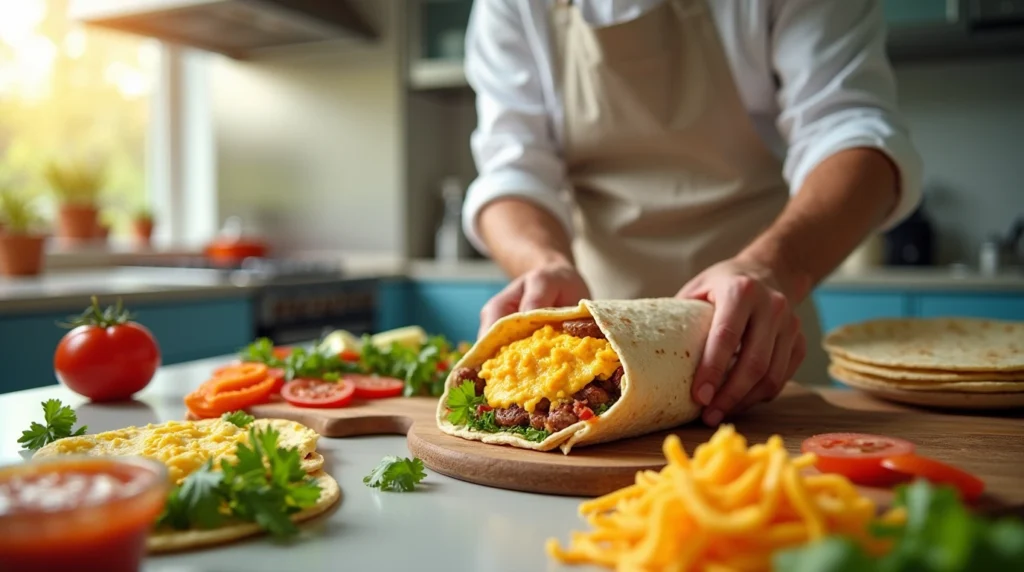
[21,254]
[142,231]
[77,223]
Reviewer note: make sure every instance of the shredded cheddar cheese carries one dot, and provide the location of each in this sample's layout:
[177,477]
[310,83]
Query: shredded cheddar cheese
[548,364]
[727,508]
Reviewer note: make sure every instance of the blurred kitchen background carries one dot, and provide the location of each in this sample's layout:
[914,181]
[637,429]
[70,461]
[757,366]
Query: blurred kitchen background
[233,168]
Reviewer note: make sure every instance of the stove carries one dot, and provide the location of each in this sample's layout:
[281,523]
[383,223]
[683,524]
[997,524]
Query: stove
[294,300]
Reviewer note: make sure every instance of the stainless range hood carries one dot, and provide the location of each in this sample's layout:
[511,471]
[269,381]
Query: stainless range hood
[235,28]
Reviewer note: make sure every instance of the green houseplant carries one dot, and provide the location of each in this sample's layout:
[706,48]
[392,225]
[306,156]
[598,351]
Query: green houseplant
[21,238]
[77,186]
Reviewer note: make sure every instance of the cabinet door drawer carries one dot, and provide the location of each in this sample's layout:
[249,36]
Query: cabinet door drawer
[451,308]
[994,306]
[839,308]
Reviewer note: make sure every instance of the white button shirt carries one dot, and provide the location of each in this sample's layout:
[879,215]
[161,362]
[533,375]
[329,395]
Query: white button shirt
[812,74]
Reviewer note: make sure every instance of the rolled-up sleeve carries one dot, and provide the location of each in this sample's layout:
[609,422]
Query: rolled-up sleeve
[837,91]
[513,144]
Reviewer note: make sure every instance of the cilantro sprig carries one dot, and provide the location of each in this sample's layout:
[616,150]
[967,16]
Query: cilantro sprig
[464,409]
[238,418]
[59,420]
[940,535]
[266,486]
[396,474]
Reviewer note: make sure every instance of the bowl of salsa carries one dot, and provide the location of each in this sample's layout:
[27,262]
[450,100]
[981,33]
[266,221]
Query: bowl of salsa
[63,512]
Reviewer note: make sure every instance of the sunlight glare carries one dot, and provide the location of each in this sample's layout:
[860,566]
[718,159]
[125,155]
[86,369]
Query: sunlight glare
[19,18]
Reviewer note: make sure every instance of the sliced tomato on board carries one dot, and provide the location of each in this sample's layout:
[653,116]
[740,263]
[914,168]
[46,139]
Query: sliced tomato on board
[936,472]
[317,393]
[375,387]
[278,375]
[858,456]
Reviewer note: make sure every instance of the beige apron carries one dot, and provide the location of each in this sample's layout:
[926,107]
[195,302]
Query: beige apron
[667,172]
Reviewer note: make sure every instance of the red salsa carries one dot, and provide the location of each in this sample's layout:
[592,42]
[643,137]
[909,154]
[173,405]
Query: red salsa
[58,514]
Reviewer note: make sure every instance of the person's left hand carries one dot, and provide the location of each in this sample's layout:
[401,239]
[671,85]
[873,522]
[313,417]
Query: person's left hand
[753,317]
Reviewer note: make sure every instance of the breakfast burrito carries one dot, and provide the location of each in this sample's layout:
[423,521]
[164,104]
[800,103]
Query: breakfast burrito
[564,377]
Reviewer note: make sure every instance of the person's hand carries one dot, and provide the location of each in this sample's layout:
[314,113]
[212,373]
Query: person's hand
[549,286]
[754,318]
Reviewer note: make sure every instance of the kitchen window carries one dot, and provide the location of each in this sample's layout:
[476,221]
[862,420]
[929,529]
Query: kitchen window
[78,95]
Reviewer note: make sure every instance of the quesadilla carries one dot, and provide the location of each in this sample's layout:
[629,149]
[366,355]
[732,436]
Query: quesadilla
[602,371]
[187,447]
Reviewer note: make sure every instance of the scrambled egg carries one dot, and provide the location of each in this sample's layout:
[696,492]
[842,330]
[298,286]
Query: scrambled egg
[184,446]
[548,364]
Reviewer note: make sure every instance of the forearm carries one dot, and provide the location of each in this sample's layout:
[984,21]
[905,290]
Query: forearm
[842,200]
[522,236]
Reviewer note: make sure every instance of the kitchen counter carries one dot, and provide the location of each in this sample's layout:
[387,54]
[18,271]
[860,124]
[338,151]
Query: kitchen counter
[64,289]
[445,525]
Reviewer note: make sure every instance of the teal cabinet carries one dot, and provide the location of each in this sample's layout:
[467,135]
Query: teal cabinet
[838,308]
[185,331]
[449,308]
[996,306]
[910,13]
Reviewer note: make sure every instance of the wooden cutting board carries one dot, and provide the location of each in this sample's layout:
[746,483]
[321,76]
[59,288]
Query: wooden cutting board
[991,447]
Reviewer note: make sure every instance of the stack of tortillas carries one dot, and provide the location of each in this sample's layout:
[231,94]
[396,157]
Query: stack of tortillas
[965,363]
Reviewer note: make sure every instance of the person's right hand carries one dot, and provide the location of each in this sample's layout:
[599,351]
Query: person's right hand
[549,286]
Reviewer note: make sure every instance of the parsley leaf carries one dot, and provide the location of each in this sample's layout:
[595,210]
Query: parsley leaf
[238,418]
[261,351]
[396,474]
[462,403]
[59,421]
[266,485]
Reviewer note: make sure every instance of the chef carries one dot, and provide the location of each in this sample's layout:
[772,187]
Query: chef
[733,151]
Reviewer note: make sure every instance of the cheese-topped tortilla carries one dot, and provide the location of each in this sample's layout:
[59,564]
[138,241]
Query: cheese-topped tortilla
[184,446]
[656,342]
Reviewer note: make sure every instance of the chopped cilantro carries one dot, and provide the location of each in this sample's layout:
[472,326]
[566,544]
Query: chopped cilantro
[238,418]
[396,474]
[59,420]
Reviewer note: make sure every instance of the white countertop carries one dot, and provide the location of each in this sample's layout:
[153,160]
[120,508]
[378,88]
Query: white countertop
[445,525]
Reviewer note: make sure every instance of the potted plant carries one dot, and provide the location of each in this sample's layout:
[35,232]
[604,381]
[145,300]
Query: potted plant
[21,241]
[142,227]
[77,187]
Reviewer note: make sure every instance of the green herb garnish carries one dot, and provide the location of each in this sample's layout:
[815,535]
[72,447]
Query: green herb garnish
[238,418]
[940,535]
[265,486]
[261,351]
[464,409]
[396,474]
[59,421]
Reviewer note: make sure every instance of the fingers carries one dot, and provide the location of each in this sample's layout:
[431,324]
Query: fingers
[768,391]
[755,358]
[502,304]
[798,354]
[732,312]
[538,292]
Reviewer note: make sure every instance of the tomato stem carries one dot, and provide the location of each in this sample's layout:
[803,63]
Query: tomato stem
[102,318]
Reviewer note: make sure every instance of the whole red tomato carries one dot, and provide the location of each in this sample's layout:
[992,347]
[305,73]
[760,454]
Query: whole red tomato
[106,357]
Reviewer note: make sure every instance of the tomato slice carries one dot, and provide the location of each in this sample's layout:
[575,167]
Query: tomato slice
[375,387]
[240,374]
[349,355]
[281,352]
[303,392]
[857,456]
[278,375]
[937,472]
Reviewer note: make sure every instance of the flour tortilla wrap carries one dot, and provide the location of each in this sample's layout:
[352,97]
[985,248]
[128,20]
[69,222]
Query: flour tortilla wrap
[659,342]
